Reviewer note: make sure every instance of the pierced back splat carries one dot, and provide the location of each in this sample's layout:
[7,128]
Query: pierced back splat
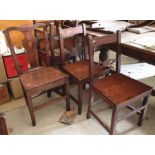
[30,45]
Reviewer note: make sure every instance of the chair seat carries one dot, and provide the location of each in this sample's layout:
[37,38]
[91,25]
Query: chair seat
[40,76]
[119,89]
[80,69]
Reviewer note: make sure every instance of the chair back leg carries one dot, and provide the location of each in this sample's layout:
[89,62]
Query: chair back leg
[80,89]
[67,95]
[31,109]
[91,100]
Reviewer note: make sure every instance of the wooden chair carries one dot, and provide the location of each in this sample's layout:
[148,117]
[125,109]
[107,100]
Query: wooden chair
[54,45]
[116,89]
[37,79]
[79,70]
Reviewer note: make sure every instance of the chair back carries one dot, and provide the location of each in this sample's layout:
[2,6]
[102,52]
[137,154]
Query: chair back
[93,43]
[52,37]
[29,42]
[70,32]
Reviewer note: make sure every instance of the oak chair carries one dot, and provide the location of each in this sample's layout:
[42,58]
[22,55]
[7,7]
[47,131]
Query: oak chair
[37,79]
[79,70]
[54,45]
[116,89]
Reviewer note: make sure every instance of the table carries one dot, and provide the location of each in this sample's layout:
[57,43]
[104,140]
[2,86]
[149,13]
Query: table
[128,48]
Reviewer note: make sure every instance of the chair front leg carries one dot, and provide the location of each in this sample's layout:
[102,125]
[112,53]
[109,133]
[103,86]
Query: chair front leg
[91,100]
[143,111]
[31,108]
[114,120]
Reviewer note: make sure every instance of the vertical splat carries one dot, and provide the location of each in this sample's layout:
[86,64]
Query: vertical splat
[30,45]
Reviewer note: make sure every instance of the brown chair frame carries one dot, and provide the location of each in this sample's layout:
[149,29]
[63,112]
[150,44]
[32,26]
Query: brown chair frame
[67,33]
[58,79]
[54,60]
[82,65]
[111,39]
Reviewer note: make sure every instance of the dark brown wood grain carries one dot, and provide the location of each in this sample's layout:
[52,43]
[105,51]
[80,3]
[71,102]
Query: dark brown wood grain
[37,79]
[53,43]
[79,70]
[76,67]
[116,89]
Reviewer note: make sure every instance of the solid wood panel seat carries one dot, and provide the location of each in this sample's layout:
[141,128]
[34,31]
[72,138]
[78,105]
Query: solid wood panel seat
[42,76]
[75,68]
[120,89]
[80,69]
[117,90]
[38,79]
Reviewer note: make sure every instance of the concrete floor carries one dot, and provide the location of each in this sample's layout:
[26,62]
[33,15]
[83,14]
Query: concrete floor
[18,117]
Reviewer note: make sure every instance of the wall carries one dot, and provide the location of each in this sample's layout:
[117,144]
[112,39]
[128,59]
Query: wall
[16,36]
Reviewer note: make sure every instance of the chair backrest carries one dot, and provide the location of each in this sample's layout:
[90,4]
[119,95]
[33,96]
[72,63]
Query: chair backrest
[70,33]
[52,37]
[29,42]
[100,41]
[49,23]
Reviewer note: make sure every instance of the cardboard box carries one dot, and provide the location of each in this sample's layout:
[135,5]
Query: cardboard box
[4,93]
[16,87]
[3,76]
